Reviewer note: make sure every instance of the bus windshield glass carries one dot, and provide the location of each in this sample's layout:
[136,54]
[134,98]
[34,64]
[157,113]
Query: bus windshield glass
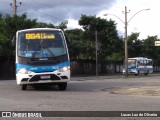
[40,44]
[131,63]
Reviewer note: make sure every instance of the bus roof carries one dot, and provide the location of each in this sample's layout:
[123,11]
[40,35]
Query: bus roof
[137,58]
[35,29]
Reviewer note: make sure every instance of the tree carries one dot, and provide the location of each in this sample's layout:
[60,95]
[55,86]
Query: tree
[76,45]
[44,25]
[135,46]
[108,39]
[63,25]
[152,51]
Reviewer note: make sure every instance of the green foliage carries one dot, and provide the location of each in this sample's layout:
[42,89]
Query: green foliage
[76,44]
[108,39]
[44,25]
[150,50]
[4,46]
[116,56]
[135,46]
[63,25]
[143,48]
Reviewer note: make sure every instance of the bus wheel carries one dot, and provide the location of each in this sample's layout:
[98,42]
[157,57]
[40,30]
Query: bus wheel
[62,86]
[24,87]
[146,73]
[137,73]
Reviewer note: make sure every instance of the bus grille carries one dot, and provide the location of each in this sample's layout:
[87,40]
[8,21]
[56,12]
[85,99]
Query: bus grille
[38,77]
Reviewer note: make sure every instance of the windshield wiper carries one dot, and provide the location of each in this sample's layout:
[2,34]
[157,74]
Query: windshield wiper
[52,54]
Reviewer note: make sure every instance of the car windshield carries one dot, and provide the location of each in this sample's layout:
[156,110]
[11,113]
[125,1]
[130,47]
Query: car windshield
[41,44]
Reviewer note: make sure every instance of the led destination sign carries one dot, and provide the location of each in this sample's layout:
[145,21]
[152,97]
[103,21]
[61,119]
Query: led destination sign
[130,60]
[32,36]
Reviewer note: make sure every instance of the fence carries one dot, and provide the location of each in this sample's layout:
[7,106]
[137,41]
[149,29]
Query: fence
[78,67]
[89,67]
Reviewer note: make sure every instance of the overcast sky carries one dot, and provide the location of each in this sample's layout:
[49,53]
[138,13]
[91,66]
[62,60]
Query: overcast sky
[57,11]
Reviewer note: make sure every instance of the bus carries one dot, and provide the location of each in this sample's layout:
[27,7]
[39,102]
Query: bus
[42,57]
[139,65]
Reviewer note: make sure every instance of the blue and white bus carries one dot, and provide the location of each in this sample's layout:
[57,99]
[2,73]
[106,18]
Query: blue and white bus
[139,65]
[42,57]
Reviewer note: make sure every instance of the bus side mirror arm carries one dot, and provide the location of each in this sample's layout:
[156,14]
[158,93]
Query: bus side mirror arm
[13,41]
[67,39]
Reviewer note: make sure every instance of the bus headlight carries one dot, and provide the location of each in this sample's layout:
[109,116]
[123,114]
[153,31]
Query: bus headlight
[64,69]
[24,71]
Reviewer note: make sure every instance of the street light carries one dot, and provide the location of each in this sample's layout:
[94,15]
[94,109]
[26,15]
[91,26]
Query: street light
[126,36]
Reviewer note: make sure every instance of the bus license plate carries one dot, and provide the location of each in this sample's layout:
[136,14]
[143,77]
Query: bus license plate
[45,77]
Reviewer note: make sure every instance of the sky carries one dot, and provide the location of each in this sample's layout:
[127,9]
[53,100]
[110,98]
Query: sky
[56,11]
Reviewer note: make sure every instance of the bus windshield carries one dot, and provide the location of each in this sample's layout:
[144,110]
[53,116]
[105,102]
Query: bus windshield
[40,44]
[131,63]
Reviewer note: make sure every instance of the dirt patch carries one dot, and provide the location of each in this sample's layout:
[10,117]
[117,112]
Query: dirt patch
[140,90]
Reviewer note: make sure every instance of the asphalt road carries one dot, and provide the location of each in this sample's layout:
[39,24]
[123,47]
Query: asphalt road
[82,94]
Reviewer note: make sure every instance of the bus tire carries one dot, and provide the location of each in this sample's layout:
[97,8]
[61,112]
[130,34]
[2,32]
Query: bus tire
[146,73]
[24,87]
[137,73]
[62,86]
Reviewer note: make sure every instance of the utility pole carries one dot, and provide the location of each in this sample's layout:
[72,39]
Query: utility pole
[126,43]
[14,5]
[96,53]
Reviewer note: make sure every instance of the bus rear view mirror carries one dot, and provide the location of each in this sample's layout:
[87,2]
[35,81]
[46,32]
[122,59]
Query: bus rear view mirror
[13,41]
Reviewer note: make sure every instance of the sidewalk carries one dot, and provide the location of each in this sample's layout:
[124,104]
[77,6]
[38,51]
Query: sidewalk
[94,77]
[110,76]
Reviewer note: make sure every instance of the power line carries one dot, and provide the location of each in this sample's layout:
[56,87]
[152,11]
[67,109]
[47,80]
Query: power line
[29,6]
[6,8]
[93,3]
[26,5]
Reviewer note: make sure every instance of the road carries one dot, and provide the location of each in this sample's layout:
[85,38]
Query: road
[84,94]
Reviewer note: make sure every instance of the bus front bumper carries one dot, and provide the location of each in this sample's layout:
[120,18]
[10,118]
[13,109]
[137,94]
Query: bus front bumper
[38,78]
[131,72]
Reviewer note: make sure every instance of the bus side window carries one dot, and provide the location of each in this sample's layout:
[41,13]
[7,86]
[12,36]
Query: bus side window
[150,62]
[138,63]
[145,62]
[141,63]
